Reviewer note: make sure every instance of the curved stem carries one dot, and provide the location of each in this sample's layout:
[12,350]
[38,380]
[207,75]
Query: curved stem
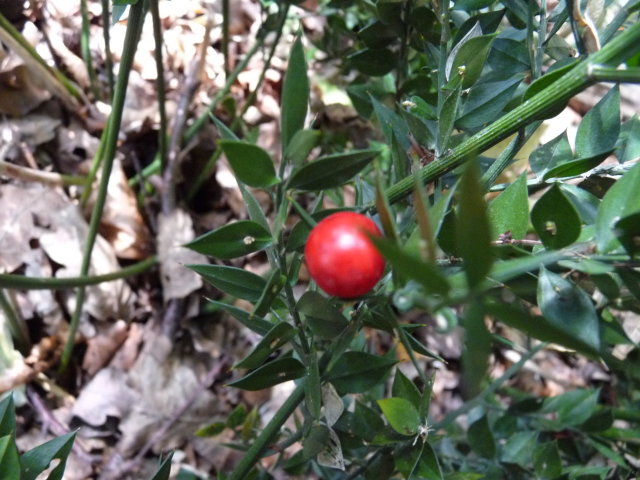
[21,282]
[268,433]
[134,28]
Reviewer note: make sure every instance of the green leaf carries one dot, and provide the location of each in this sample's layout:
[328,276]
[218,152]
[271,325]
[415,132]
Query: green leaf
[323,318]
[473,231]
[316,440]
[418,462]
[164,470]
[537,326]
[405,388]
[275,338]
[9,459]
[470,5]
[366,422]
[249,320]
[295,95]
[481,438]
[575,167]
[412,267]
[331,170]
[234,281]
[621,200]
[275,372]
[519,447]
[401,414]
[7,416]
[598,132]
[251,164]
[36,460]
[574,407]
[275,283]
[509,56]
[628,147]
[476,351]
[509,211]
[627,231]
[447,117]
[377,35]
[486,101]
[312,387]
[232,240]
[553,153]
[568,308]
[469,57]
[211,430]
[357,372]
[373,62]
[300,146]
[546,460]
[555,219]
[392,124]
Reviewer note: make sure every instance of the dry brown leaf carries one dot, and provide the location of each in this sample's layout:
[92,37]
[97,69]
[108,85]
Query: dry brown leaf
[103,346]
[175,230]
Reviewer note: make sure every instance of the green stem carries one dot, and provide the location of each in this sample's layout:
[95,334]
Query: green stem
[134,27]
[157,35]
[602,74]
[85,48]
[225,35]
[574,81]
[21,282]
[268,434]
[106,33]
[16,324]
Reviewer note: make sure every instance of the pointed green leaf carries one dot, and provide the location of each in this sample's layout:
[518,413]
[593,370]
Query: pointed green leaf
[300,146]
[599,129]
[628,147]
[575,167]
[251,164]
[9,459]
[357,372]
[622,200]
[548,156]
[249,320]
[473,231]
[331,170]
[295,94]
[537,326]
[509,211]
[275,338]
[546,460]
[237,282]
[574,407]
[476,351]
[316,440]
[232,240]
[275,372]
[7,416]
[481,438]
[568,308]
[164,470]
[405,388]
[627,231]
[519,447]
[447,118]
[555,219]
[312,387]
[401,414]
[486,101]
[36,460]
[469,57]
[324,319]
[418,461]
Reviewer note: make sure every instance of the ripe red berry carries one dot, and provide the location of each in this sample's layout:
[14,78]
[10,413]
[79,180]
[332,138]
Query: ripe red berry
[340,256]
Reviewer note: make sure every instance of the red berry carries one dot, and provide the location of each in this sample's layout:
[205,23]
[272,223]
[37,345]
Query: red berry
[340,256]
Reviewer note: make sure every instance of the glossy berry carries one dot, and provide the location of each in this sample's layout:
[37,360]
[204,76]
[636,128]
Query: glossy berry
[340,256]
